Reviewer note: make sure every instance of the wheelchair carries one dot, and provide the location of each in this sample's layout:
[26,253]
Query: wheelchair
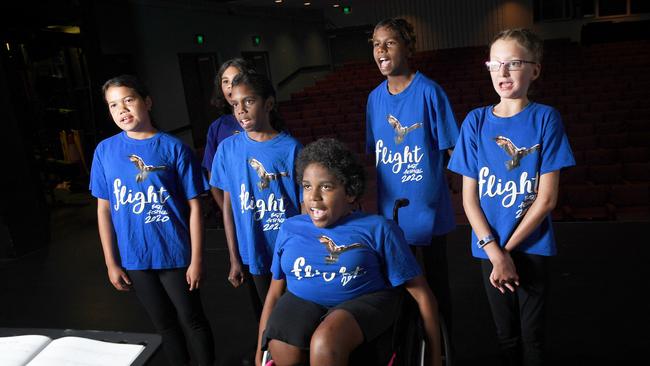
[404,343]
[409,337]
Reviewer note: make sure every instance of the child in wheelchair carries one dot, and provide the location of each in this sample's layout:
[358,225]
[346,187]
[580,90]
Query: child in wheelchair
[336,269]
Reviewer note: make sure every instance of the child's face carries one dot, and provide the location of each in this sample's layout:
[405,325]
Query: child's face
[390,52]
[128,109]
[251,111]
[226,80]
[512,84]
[325,198]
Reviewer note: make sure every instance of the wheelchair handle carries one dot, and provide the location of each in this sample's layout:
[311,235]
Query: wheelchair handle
[399,203]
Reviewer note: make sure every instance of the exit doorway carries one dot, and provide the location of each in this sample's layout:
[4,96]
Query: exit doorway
[198,72]
[259,60]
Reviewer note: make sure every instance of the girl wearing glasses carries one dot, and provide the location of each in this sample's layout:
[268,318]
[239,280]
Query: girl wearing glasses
[510,155]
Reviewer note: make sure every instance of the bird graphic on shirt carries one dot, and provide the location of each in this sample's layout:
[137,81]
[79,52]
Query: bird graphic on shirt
[335,250]
[516,153]
[143,168]
[265,177]
[401,131]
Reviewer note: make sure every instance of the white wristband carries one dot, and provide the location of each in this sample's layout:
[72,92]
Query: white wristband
[483,242]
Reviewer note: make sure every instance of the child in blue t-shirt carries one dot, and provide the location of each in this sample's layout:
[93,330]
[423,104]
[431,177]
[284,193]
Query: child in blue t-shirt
[410,127]
[255,171]
[510,155]
[339,267]
[147,185]
[226,125]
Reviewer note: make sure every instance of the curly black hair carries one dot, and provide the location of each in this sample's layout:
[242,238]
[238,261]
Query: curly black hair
[338,159]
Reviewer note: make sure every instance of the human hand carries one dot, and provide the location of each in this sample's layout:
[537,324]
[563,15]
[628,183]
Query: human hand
[504,274]
[119,279]
[193,275]
[236,275]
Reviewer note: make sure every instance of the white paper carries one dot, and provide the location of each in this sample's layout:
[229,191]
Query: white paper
[18,350]
[76,351]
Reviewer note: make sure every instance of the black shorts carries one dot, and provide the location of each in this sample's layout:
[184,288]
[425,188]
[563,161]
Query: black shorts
[294,320]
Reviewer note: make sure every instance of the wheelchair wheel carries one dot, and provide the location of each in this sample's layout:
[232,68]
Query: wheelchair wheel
[445,343]
[414,347]
[266,359]
[409,336]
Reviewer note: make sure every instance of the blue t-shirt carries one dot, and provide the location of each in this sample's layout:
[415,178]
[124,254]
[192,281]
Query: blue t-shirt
[260,179]
[410,133]
[359,254]
[222,128]
[148,183]
[507,156]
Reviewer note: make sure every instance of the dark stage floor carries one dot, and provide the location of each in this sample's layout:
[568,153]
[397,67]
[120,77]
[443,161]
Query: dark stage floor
[598,309]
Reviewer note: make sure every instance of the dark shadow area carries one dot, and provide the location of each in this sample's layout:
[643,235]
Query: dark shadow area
[596,314]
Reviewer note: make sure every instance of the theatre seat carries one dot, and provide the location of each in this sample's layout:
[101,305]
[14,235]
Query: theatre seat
[582,202]
[605,115]
[631,201]
[637,172]
[606,174]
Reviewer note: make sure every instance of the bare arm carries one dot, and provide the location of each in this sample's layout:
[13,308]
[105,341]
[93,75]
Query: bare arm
[504,273]
[116,273]
[275,291]
[217,194]
[195,270]
[428,306]
[537,212]
[236,276]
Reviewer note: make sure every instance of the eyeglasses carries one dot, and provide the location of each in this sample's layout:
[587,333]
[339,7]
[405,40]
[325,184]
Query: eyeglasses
[512,65]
